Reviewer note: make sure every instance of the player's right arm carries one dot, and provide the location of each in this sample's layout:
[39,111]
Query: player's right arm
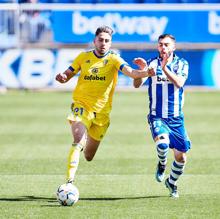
[65,76]
[71,71]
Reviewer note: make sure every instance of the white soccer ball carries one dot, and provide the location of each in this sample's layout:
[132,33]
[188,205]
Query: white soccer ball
[67,194]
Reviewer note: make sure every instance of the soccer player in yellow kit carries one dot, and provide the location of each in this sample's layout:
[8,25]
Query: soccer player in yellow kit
[92,97]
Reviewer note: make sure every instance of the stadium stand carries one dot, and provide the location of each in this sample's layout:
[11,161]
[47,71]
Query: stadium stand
[151,1]
[8,1]
[129,1]
[172,1]
[191,1]
[107,1]
[210,1]
[113,1]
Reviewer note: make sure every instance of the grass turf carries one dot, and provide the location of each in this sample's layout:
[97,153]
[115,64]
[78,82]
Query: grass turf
[119,183]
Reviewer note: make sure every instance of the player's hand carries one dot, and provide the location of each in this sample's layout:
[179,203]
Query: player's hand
[140,62]
[151,72]
[62,78]
[165,58]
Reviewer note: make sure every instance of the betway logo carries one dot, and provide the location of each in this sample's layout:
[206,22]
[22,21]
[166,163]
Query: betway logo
[160,79]
[142,25]
[214,23]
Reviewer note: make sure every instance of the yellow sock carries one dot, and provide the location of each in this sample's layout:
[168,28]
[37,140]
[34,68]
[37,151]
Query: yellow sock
[73,161]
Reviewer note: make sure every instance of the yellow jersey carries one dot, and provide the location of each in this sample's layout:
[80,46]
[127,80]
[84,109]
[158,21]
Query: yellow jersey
[97,79]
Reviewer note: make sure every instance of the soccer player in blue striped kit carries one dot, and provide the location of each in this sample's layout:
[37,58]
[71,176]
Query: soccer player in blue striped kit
[166,98]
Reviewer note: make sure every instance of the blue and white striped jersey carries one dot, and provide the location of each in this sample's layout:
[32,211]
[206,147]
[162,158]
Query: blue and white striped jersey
[166,100]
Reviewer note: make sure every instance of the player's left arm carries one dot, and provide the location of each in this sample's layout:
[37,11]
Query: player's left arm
[177,80]
[121,65]
[136,73]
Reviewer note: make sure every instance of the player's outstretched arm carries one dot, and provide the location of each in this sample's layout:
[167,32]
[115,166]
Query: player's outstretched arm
[135,73]
[65,76]
[142,64]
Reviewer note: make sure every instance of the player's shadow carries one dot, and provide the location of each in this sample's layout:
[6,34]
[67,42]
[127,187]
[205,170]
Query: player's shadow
[35,198]
[121,198]
[52,202]
[110,199]
[28,198]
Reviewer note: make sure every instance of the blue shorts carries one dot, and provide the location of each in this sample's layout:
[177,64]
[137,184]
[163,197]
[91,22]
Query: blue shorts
[174,128]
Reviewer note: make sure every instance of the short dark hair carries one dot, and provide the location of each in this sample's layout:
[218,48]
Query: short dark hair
[166,35]
[105,29]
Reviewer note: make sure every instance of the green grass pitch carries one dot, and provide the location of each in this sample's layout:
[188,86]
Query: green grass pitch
[119,183]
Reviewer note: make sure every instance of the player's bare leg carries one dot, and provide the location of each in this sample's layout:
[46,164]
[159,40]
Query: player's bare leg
[79,133]
[90,148]
[176,171]
[179,156]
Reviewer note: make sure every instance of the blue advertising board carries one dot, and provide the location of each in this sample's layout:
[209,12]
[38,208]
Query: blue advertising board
[204,68]
[143,25]
[36,68]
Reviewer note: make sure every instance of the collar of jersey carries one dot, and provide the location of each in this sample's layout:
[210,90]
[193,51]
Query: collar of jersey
[175,57]
[100,56]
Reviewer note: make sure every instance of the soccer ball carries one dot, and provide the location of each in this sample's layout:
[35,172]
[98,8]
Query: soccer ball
[67,194]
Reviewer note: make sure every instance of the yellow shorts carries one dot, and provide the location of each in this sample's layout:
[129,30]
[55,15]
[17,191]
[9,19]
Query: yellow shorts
[96,123]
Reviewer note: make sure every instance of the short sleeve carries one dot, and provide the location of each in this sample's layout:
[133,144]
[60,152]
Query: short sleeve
[119,62]
[184,69]
[76,64]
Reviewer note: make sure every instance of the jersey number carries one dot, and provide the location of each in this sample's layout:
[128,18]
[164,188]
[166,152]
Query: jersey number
[78,111]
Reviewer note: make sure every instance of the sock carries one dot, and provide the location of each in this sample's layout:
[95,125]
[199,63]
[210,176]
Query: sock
[162,150]
[176,171]
[73,161]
